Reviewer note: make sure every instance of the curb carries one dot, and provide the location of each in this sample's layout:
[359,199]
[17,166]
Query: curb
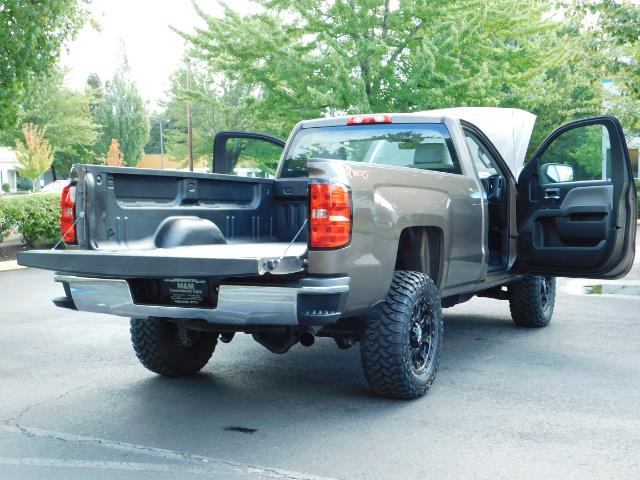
[10,265]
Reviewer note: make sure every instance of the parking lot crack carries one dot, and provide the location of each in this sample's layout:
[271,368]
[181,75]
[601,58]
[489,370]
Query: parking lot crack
[13,421]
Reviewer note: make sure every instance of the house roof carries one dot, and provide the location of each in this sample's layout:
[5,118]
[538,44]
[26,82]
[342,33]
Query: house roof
[8,156]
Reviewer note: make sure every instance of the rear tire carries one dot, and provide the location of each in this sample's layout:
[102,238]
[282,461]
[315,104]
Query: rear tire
[531,301]
[170,350]
[400,347]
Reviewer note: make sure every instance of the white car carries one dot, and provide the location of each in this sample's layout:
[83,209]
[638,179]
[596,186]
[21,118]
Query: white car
[54,187]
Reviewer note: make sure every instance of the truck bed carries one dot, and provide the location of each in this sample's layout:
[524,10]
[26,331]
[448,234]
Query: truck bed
[157,223]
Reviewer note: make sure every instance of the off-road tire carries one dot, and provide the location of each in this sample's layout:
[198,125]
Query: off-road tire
[531,301]
[386,348]
[161,347]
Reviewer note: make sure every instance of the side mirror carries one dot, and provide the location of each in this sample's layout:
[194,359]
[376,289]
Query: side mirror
[557,172]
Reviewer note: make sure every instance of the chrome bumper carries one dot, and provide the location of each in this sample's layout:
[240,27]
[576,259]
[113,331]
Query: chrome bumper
[237,304]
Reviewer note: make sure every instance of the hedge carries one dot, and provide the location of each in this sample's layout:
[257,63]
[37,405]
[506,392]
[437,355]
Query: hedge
[35,217]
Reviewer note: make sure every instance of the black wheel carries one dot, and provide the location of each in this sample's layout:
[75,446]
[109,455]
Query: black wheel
[531,301]
[168,349]
[400,347]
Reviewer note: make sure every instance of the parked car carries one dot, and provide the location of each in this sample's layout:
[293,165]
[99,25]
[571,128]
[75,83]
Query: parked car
[57,186]
[372,225]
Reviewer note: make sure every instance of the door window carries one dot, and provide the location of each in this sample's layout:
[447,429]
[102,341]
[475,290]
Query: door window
[484,163]
[249,157]
[580,154]
[247,154]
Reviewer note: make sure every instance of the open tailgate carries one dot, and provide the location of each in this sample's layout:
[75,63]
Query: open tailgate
[218,260]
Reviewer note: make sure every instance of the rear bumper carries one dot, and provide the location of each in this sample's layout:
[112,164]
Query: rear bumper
[311,301]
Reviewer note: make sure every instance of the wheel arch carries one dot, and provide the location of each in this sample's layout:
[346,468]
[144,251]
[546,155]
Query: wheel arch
[421,249]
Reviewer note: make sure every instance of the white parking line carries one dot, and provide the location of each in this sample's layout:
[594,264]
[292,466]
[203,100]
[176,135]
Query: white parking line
[105,465]
[10,265]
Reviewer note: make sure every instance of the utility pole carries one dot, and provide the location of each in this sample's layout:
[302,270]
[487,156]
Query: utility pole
[189,115]
[159,122]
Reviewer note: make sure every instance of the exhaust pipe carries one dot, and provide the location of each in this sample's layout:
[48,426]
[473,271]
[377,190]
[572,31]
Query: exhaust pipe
[307,339]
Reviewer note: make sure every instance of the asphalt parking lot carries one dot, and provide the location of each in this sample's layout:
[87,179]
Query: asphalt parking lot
[560,402]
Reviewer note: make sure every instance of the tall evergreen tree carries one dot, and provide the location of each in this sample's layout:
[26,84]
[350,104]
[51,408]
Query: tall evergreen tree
[121,114]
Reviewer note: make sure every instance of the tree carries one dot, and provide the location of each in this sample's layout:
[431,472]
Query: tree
[35,155]
[218,104]
[31,37]
[308,58]
[65,115]
[613,29]
[120,112]
[114,155]
[617,31]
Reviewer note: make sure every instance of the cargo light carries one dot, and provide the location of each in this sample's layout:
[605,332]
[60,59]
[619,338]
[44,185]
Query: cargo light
[68,214]
[368,119]
[330,215]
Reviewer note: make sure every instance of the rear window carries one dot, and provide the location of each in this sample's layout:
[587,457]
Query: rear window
[422,146]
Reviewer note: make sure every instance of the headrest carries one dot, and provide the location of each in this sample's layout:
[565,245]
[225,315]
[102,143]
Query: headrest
[429,153]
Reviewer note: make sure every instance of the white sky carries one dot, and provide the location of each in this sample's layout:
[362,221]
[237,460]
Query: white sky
[154,51]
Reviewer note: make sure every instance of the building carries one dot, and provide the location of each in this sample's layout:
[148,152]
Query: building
[8,165]
[169,163]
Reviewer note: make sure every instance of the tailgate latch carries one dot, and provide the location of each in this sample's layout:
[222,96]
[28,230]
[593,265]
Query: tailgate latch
[281,266]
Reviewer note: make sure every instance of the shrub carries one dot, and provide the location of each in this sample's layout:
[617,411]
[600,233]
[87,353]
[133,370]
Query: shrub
[6,187]
[24,184]
[5,222]
[35,217]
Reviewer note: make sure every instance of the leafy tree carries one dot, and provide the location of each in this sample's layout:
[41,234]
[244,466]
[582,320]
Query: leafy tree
[217,104]
[31,37]
[65,115]
[613,30]
[114,155]
[617,31]
[308,58]
[35,155]
[120,111]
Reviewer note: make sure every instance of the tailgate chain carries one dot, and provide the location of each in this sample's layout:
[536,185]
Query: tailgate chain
[80,215]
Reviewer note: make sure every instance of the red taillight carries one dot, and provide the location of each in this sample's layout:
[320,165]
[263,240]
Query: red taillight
[330,215]
[68,216]
[368,119]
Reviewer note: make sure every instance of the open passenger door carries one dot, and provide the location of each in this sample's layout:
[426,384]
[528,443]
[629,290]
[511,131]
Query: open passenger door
[576,203]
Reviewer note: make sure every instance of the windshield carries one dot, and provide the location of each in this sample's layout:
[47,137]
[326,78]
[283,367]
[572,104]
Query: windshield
[422,146]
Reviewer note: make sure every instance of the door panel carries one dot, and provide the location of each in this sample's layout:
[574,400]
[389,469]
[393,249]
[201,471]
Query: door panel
[576,203]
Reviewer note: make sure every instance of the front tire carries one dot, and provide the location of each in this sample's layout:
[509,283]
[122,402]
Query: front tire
[167,349]
[531,301]
[400,347]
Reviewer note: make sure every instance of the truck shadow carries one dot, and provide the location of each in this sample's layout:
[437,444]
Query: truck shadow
[246,386]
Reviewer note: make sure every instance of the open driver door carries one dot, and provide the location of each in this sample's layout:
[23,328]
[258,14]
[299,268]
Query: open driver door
[576,203]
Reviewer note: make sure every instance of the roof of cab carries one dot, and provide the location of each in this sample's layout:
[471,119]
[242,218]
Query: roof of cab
[509,129]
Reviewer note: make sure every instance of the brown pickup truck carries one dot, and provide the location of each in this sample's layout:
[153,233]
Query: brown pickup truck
[371,225]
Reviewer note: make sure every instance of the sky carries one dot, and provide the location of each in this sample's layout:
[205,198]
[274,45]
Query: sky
[153,49]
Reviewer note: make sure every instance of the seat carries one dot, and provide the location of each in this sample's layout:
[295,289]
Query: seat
[432,156]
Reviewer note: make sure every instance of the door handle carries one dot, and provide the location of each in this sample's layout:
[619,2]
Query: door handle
[552,194]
